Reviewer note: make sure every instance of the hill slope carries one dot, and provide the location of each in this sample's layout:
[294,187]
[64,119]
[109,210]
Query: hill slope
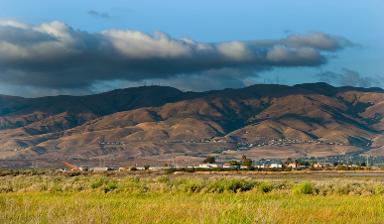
[155,124]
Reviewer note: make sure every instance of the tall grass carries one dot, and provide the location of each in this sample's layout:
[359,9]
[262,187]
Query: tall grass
[59,198]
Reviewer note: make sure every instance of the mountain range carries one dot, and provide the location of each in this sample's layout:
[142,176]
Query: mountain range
[158,124]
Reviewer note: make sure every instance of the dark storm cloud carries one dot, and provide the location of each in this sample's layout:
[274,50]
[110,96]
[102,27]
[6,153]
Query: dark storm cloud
[98,14]
[348,77]
[54,55]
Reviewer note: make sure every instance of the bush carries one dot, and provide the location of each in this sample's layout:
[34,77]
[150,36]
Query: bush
[170,170]
[5,189]
[240,185]
[209,159]
[345,189]
[190,185]
[98,183]
[303,188]
[216,186]
[265,187]
[110,187]
[163,179]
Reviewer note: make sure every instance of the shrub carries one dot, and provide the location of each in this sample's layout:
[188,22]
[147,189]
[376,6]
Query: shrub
[234,185]
[73,174]
[265,187]
[192,185]
[346,189]
[209,159]
[303,188]
[5,189]
[110,187]
[163,179]
[98,183]
[247,186]
[240,185]
[170,170]
[133,184]
[216,186]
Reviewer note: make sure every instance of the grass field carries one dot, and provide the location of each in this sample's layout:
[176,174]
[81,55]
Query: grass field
[192,198]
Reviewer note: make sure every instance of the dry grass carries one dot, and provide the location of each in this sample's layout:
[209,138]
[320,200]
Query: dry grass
[188,199]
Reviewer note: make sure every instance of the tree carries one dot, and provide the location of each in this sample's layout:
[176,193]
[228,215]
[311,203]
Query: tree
[234,163]
[209,159]
[245,161]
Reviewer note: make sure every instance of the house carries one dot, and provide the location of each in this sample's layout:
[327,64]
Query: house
[261,166]
[122,169]
[101,169]
[276,165]
[245,167]
[322,165]
[83,168]
[293,165]
[208,165]
[229,166]
[158,168]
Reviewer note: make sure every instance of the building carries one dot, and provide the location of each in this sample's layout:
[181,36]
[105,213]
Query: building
[261,166]
[208,165]
[293,165]
[229,166]
[101,169]
[322,165]
[158,168]
[276,165]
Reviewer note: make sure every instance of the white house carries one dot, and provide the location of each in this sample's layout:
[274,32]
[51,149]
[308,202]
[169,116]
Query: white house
[100,169]
[276,165]
[208,165]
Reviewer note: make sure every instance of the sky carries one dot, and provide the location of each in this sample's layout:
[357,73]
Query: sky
[51,47]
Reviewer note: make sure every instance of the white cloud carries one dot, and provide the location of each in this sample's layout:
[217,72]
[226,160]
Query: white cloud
[54,55]
[317,40]
[294,56]
[235,50]
[136,44]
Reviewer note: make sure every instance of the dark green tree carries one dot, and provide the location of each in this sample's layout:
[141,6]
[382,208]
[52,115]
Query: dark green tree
[209,159]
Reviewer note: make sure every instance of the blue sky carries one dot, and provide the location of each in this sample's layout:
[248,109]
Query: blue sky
[219,21]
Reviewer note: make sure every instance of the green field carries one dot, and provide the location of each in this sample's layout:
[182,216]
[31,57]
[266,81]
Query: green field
[50,197]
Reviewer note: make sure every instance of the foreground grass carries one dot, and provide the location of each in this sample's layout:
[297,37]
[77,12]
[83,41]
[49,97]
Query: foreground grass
[247,207]
[187,199]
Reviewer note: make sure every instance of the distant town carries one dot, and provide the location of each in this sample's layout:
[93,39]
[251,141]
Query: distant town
[211,164]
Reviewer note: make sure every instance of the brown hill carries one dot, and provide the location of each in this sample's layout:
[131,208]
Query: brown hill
[157,124]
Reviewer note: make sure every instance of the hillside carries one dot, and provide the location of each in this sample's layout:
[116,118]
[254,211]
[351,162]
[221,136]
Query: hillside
[157,124]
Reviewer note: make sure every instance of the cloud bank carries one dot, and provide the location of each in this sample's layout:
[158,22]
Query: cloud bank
[55,55]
